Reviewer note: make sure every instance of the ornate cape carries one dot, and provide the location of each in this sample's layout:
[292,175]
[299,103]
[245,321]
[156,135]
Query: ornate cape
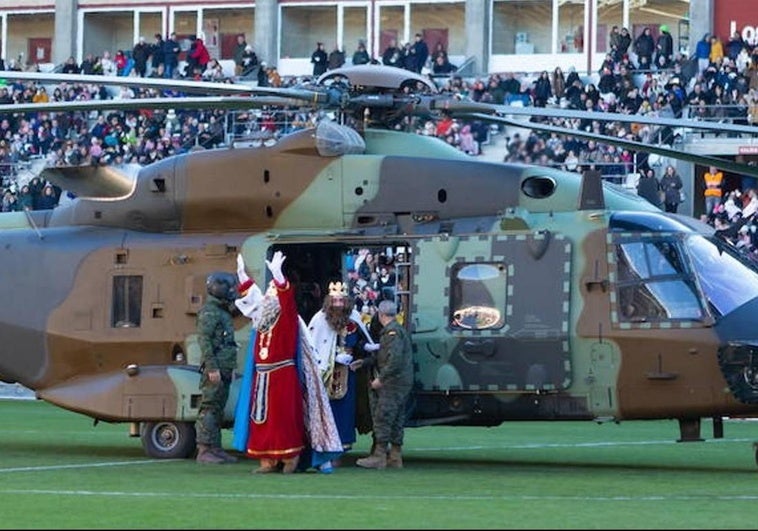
[319,422]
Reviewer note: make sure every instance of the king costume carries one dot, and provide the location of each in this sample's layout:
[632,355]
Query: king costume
[282,407]
[335,349]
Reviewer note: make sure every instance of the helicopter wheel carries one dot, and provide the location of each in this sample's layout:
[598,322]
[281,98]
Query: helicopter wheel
[168,440]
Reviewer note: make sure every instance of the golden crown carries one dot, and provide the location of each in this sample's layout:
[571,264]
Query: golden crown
[337,289]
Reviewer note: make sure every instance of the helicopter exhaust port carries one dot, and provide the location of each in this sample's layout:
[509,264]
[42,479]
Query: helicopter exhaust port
[739,365]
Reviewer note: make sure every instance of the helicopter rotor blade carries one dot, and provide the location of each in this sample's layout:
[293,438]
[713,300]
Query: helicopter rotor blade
[194,87]
[705,160]
[203,87]
[229,103]
[457,107]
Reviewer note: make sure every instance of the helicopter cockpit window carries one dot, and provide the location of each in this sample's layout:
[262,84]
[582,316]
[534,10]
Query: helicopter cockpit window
[728,280]
[126,311]
[654,284]
[478,296]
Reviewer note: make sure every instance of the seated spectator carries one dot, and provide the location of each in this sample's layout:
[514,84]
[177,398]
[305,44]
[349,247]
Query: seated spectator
[361,57]
[47,200]
[214,71]
[70,66]
[249,62]
[442,65]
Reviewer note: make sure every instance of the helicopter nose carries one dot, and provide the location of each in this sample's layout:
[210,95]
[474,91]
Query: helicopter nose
[739,364]
[738,355]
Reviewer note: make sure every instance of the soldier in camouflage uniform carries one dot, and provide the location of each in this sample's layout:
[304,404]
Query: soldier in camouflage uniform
[215,331]
[392,370]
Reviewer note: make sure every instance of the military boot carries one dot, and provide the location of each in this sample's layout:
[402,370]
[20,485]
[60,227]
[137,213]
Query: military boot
[395,459]
[206,456]
[223,455]
[377,459]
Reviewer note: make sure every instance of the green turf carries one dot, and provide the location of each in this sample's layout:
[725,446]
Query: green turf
[57,471]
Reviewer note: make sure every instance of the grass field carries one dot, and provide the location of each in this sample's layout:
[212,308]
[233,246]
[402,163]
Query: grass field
[57,471]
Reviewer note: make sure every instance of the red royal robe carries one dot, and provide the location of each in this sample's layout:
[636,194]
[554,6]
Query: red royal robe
[277,427]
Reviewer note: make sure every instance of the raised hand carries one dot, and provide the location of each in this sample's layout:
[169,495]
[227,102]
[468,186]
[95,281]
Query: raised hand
[275,266]
[242,275]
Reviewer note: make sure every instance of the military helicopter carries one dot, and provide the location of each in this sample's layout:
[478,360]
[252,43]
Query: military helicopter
[531,293]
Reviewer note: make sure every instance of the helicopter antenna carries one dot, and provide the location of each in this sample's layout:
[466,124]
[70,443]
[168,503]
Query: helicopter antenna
[33,224]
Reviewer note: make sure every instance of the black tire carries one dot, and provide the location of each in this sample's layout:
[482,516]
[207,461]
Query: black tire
[168,440]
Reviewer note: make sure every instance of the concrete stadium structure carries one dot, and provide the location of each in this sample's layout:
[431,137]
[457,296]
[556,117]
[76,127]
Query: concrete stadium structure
[482,35]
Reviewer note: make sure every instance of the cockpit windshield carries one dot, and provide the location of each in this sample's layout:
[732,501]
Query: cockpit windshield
[727,278]
[655,283]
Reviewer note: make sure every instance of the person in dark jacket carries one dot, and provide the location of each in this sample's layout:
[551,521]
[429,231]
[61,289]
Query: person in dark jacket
[319,59]
[361,57]
[336,58]
[140,54]
[671,184]
[392,55]
[542,89]
[171,51]
[649,188]
[734,46]
[249,62]
[157,53]
[442,65]
[88,65]
[664,48]
[420,53]
[47,199]
[70,66]
[239,51]
[644,47]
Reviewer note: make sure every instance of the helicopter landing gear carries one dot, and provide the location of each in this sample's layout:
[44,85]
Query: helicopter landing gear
[168,440]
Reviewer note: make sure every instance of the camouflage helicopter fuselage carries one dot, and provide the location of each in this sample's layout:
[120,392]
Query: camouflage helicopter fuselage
[511,281]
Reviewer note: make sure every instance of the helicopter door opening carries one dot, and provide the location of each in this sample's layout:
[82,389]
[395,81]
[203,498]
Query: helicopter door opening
[372,272]
[489,327]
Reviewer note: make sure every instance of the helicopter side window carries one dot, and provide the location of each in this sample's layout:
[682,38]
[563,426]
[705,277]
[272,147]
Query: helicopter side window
[126,311]
[654,284]
[478,296]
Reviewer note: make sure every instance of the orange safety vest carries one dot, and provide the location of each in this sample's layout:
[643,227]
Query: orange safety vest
[713,183]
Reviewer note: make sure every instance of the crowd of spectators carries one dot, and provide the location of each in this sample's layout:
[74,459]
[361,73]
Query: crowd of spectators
[631,80]
[374,277]
[735,220]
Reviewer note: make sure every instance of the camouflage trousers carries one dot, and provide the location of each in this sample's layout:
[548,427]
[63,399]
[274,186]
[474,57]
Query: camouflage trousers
[388,412]
[210,414]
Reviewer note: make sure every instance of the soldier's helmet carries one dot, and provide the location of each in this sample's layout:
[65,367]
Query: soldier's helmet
[222,285]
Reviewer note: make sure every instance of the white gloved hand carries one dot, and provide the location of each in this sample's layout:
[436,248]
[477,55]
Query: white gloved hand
[242,275]
[275,266]
[343,358]
[371,347]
